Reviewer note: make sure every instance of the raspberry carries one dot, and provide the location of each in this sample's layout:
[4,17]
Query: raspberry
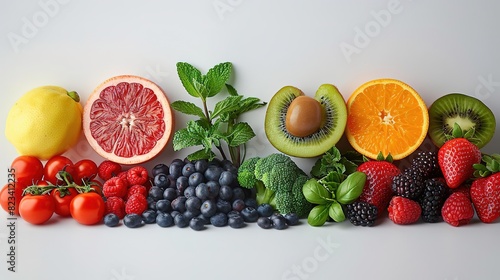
[457,209]
[433,197]
[136,204]
[137,175]
[114,187]
[137,189]
[404,211]
[464,188]
[115,205]
[108,169]
[362,213]
[123,176]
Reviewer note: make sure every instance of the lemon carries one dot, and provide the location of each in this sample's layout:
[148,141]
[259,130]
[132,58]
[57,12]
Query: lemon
[44,122]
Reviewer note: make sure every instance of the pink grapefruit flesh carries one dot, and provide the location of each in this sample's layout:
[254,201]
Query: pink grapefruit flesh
[128,119]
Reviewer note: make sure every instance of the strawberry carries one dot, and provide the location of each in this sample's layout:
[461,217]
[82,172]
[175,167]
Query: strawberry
[456,159]
[114,187]
[485,195]
[115,205]
[457,209]
[377,189]
[137,175]
[108,169]
[136,204]
[404,211]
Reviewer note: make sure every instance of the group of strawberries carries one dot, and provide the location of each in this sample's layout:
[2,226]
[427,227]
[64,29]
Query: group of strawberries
[468,181]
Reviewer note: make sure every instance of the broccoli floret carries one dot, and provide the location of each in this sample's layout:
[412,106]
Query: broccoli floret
[265,165]
[246,173]
[302,206]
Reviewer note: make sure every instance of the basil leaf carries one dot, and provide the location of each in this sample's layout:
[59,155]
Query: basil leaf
[315,193]
[217,77]
[189,76]
[350,189]
[318,215]
[183,139]
[242,132]
[230,103]
[187,108]
[336,212]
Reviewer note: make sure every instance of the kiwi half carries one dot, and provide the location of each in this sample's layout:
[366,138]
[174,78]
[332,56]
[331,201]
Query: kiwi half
[467,111]
[329,132]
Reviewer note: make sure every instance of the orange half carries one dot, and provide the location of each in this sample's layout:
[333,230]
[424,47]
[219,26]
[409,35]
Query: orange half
[388,116]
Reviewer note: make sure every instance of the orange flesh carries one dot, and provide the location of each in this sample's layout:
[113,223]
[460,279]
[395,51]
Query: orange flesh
[304,116]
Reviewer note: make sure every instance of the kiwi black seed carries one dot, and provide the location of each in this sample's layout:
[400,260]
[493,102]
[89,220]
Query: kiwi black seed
[467,111]
[317,143]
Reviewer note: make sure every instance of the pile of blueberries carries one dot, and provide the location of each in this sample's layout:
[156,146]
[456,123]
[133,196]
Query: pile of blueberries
[199,193]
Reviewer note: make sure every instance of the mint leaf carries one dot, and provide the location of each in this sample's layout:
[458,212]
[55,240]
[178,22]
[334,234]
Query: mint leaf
[242,132]
[187,108]
[183,139]
[226,105]
[231,90]
[190,78]
[201,154]
[196,130]
[217,77]
[249,104]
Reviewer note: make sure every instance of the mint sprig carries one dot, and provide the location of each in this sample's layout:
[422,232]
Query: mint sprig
[218,128]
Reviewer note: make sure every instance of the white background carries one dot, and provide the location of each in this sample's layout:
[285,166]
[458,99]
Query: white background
[436,47]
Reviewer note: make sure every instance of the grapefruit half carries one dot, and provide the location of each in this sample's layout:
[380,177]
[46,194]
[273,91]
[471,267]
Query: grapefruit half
[128,119]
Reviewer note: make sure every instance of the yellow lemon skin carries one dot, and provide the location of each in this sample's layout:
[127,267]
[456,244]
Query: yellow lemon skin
[44,122]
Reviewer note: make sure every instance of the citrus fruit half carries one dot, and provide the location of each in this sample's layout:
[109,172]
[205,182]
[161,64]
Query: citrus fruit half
[128,119]
[46,121]
[388,116]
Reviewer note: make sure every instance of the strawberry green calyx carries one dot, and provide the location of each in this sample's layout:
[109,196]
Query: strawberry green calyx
[490,164]
[458,132]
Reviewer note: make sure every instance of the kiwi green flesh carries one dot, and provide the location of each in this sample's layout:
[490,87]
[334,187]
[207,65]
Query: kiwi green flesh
[467,111]
[312,145]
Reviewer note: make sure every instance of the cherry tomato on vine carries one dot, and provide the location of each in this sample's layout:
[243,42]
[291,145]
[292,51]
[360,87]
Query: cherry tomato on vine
[27,169]
[87,208]
[36,209]
[10,197]
[85,169]
[62,199]
[56,164]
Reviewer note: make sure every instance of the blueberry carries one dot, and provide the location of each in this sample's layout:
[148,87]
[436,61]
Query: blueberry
[163,205]
[292,219]
[201,165]
[264,223]
[226,192]
[213,189]
[164,220]
[219,220]
[182,183]
[193,204]
[190,191]
[188,169]
[177,161]
[234,213]
[156,193]
[159,168]
[238,205]
[205,220]
[251,202]
[111,220]
[195,179]
[224,206]
[149,216]
[250,214]
[181,221]
[238,193]
[197,224]
[208,208]
[226,178]
[189,215]
[175,169]
[179,204]
[202,191]
[174,213]
[265,210]
[213,173]
[215,162]
[170,194]
[161,180]
[132,220]
[279,222]
[236,221]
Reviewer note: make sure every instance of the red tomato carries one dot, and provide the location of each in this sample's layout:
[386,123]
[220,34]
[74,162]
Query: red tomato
[36,209]
[87,208]
[27,169]
[85,169]
[97,186]
[56,164]
[10,198]
[62,199]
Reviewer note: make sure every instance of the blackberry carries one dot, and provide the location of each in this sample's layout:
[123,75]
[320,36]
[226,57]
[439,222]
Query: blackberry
[362,213]
[427,163]
[409,184]
[432,200]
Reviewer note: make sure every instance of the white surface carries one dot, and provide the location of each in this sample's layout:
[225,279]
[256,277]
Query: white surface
[436,47]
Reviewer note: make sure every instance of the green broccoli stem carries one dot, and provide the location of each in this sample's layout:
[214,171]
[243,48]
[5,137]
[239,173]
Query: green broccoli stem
[263,194]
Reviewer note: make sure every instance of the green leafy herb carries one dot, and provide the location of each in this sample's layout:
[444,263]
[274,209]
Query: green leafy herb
[318,215]
[350,189]
[335,212]
[217,129]
[316,193]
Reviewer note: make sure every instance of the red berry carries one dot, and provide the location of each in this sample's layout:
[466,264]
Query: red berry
[137,189]
[456,159]
[404,211]
[457,209]
[136,204]
[115,205]
[137,175]
[108,169]
[463,188]
[114,187]
[485,195]
[123,176]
